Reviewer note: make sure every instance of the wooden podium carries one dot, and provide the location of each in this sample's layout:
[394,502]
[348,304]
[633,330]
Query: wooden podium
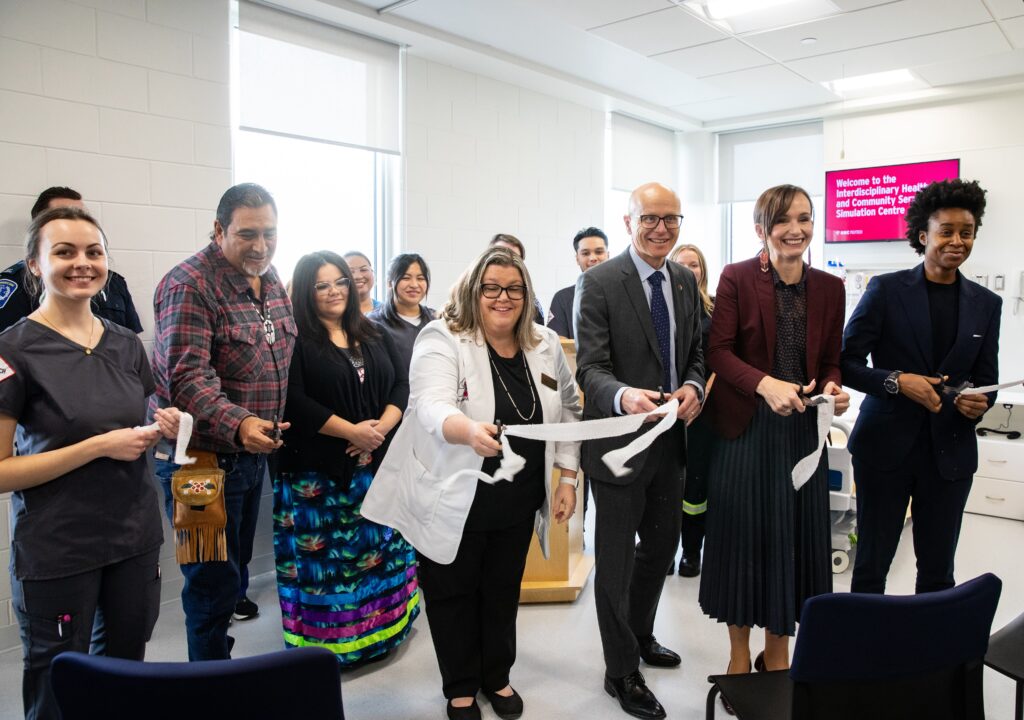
[562,576]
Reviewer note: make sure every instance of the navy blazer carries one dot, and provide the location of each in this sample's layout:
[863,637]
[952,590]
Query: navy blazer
[891,324]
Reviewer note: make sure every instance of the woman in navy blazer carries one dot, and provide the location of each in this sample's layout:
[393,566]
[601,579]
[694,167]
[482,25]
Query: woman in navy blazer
[926,329]
[775,338]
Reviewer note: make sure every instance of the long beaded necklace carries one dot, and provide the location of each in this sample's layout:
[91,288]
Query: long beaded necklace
[92,330]
[533,395]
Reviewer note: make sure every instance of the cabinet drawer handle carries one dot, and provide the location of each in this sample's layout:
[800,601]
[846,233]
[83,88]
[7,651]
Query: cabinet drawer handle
[997,462]
[995,499]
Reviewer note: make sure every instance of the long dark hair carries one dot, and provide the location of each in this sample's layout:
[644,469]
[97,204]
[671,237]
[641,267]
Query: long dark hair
[356,326]
[400,266]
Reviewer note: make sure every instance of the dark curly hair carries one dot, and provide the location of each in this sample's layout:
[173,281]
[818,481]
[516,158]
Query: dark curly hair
[963,194]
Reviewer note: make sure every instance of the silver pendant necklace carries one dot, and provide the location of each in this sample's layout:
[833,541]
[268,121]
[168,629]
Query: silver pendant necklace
[533,395]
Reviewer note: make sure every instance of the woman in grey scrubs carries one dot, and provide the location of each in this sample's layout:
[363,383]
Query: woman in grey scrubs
[87,529]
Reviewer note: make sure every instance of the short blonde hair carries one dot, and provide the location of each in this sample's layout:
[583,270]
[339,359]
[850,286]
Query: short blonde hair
[462,313]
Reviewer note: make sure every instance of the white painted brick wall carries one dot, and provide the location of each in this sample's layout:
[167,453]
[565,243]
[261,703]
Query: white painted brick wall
[127,102]
[483,156]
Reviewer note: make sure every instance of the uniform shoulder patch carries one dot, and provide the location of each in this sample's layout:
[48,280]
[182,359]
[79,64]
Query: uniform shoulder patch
[7,289]
[6,371]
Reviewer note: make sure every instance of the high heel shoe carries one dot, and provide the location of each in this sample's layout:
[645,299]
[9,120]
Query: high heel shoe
[725,703]
[759,662]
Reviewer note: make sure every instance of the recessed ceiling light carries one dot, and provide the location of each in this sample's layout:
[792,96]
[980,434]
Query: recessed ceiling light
[808,41]
[724,9]
[862,85]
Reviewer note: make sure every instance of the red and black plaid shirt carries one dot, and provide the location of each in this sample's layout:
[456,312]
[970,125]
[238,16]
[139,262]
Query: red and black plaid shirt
[212,358]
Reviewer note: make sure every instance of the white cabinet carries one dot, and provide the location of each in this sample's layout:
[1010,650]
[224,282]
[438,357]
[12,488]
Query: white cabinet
[998,487]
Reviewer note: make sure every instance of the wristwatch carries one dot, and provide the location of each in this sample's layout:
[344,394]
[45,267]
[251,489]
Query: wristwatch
[892,382]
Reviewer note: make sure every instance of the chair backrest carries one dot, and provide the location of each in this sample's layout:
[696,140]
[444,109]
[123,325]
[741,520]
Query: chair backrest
[302,682]
[887,654]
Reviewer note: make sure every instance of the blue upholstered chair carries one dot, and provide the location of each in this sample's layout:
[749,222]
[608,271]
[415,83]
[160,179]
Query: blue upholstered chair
[877,657]
[299,683]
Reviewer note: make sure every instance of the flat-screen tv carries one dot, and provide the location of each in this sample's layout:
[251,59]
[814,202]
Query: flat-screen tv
[868,204]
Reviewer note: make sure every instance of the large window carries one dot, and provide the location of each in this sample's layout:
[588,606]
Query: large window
[316,123]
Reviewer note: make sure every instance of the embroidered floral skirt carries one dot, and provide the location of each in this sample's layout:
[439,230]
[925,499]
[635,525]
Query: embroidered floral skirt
[345,583]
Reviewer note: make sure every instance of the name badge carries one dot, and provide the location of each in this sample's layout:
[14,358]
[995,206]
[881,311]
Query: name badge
[548,381]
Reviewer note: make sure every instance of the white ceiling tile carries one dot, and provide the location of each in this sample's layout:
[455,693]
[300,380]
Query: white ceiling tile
[871,26]
[714,58]
[772,82]
[851,5]
[969,42]
[660,32]
[1006,8]
[593,13]
[1015,29]
[961,70]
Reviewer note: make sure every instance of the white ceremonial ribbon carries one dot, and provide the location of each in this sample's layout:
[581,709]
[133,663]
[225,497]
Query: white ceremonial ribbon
[805,468]
[181,456]
[587,430]
[990,388]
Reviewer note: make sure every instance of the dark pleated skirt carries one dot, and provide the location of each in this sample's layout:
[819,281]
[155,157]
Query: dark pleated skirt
[768,546]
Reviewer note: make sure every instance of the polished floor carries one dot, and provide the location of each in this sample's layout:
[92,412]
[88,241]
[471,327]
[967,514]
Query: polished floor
[559,668]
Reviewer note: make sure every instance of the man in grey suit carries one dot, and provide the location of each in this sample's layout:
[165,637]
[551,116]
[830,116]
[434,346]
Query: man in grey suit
[638,341]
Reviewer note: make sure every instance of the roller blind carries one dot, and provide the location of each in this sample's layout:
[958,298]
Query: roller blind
[641,153]
[312,80]
[752,161]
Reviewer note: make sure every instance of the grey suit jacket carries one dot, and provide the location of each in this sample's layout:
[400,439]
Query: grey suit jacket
[616,347]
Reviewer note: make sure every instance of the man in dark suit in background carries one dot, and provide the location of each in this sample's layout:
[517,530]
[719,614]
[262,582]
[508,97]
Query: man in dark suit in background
[927,329]
[590,248]
[638,334]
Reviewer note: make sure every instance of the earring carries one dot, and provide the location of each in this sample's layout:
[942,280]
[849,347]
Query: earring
[763,257]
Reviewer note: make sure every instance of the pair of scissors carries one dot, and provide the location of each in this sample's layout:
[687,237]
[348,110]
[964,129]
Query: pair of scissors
[952,389]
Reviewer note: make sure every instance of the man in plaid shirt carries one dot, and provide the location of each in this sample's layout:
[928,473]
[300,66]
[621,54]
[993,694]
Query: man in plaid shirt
[224,340]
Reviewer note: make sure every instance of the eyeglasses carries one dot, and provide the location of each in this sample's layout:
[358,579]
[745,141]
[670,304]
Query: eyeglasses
[651,221]
[493,292]
[322,288]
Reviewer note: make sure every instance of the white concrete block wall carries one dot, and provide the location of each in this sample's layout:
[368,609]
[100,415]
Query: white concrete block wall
[482,157]
[127,102]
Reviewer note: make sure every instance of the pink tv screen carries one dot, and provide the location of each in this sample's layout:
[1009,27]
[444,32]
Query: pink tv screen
[868,204]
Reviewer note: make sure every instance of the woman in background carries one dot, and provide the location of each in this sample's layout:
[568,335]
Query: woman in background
[87,529]
[403,313]
[345,583]
[364,279]
[700,438]
[775,340]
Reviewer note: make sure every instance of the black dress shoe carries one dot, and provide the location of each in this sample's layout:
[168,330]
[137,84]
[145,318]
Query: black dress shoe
[634,697]
[470,712]
[507,708]
[689,565]
[656,654]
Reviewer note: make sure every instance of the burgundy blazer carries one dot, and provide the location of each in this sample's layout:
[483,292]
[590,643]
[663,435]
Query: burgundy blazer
[741,348]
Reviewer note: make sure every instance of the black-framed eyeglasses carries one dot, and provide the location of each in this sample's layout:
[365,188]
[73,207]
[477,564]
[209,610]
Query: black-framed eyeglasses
[322,288]
[651,221]
[493,292]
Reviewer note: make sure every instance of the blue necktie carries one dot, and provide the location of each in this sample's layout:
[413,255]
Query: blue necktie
[659,314]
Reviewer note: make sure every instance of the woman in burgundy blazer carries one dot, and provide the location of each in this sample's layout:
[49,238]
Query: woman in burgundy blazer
[775,339]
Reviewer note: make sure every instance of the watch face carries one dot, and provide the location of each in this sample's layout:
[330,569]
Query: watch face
[890,385]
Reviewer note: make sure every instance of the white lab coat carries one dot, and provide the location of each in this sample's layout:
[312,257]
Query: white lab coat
[417,489]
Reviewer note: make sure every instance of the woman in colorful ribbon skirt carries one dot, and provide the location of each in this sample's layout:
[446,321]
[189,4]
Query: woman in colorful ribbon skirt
[345,583]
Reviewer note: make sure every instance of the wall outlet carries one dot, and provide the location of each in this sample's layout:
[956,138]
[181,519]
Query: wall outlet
[999,283]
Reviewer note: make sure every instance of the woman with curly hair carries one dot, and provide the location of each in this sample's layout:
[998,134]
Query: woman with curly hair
[345,583]
[928,330]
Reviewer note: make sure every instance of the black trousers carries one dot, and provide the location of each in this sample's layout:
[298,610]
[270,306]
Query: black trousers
[57,615]
[937,510]
[472,605]
[629,577]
